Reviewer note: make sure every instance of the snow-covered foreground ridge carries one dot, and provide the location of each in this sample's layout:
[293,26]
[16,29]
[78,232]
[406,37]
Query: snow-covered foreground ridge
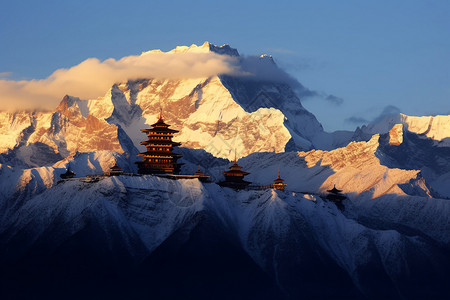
[281,232]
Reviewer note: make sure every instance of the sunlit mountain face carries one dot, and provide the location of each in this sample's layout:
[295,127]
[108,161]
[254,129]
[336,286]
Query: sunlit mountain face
[135,236]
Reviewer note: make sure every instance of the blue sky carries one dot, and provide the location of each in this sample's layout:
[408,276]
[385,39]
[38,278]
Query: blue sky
[373,54]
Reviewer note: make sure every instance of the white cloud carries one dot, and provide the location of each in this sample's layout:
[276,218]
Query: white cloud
[92,77]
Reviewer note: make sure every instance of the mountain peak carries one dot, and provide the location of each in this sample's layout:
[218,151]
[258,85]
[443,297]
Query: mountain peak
[73,104]
[205,48]
[224,49]
[69,100]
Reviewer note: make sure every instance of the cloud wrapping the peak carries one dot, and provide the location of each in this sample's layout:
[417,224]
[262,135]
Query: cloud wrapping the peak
[389,110]
[264,68]
[92,77]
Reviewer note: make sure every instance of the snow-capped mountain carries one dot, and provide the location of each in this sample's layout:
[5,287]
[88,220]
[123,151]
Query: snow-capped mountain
[219,114]
[436,128]
[36,139]
[148,234]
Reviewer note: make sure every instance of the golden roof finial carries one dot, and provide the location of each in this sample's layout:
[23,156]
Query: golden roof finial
[160,114]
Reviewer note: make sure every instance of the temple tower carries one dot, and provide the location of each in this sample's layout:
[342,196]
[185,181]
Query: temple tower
[234,178]
[335,195]
[115,170]
[278,183]
[159,158]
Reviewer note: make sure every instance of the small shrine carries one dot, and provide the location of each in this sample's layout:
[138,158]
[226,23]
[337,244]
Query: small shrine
[335,195]
[115,170]
[159,157]
[68,174]
[200,175]
[234,178]
[278,183]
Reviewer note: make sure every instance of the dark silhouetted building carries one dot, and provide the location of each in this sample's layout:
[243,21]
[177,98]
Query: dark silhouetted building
[159,158]
[234,178]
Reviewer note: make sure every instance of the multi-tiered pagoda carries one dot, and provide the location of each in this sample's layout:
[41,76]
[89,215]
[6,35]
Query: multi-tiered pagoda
[159,158]
[115,170]
[234,178]
[278,183]
[335,195]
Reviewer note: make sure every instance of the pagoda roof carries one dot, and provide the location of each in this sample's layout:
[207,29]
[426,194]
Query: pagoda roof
[235,173]
[68,172]
[160,153]
[199,172]
[235,170]
[116,168]
[160,122]
[160,142]
[147,163]
[279,180]
[159,129]
[334,190]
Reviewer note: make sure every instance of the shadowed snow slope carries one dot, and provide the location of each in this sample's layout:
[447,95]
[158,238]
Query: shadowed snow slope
[117,232]
[355,169]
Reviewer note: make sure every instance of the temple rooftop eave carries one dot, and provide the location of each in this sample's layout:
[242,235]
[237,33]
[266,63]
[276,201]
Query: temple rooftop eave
[159,130]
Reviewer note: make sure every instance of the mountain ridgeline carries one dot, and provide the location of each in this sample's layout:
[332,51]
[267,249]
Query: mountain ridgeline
[134,237]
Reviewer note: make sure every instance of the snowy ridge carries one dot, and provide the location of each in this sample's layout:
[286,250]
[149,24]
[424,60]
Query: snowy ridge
[393,229]
[147,210]
[433,127]
[355,169]
[46,138]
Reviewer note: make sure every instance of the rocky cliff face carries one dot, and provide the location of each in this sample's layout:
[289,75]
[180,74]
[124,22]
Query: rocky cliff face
[436,128]
[39,139]
[219,114]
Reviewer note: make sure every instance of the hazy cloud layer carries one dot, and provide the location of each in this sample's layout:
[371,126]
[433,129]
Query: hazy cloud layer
[92,78]
[388,110]
[357,120]
[264,68]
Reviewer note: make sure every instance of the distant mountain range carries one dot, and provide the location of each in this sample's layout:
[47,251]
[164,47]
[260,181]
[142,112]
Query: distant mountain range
[392,239]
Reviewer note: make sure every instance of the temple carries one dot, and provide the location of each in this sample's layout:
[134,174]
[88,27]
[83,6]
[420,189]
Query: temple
[159,158]
[335,195]
[115,170]
[200,175]
[234,178]
[278,183]
[68,174]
